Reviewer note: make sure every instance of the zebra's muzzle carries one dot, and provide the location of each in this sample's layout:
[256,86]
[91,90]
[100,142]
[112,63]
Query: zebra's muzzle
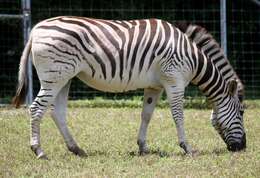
[238,146]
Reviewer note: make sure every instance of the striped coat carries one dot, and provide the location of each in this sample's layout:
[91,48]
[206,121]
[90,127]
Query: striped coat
[118,56]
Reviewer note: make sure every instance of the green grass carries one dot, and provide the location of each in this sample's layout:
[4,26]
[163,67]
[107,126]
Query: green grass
[109,138]
[137,102]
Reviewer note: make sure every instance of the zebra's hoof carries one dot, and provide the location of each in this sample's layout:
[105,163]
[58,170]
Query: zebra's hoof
[144,152]
[77,151]
[42,157]
[38,152]
[193,153]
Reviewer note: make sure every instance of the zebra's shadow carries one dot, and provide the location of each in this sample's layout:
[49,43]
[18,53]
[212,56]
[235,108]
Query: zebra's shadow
[166,154]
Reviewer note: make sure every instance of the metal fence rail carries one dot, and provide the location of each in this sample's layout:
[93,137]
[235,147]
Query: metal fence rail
[25,17]
[235,25]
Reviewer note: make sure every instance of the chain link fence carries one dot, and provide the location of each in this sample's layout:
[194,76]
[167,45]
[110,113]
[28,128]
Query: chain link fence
[243,34]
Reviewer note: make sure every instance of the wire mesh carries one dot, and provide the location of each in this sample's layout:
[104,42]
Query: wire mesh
[11,44]
[242,25]
[205,14]
[244,43]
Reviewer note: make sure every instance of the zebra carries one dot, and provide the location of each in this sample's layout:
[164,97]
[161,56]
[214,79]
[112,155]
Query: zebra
[118,56]
[206,42]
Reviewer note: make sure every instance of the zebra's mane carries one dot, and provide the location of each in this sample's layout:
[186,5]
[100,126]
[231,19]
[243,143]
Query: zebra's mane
[210,47]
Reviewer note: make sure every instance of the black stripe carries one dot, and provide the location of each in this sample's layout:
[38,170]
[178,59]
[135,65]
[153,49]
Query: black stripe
[62,62]
[48,81]
[167,32]
[213,81]
[100,43]
[131,35]
[227,71]
[200,63]
[193,55]
[52,71]
[203,42]
[75,47]
[185,40]
[67,32]
[220,67]
[213,46]
[216,60]
[178,46]
[213,54]
[61,51]
[138,41]
[66,42]
[153,29]
[157,43]
[101,63]
[215,88]
[40,96]
[195,32]
[105,32]
[121,51]
[141,63]
[39,104]
[46,89]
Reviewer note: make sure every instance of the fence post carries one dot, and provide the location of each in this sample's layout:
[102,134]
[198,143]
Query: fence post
[223,25]
[26,8]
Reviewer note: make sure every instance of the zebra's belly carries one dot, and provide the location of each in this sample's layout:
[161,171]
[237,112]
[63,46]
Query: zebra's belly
[117,86]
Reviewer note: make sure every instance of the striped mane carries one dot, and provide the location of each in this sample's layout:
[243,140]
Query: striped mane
[211,48]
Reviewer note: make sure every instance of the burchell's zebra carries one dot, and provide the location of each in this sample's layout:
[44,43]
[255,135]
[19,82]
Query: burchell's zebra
[118,56]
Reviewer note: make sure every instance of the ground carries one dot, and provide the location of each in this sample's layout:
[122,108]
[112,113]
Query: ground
[108,135]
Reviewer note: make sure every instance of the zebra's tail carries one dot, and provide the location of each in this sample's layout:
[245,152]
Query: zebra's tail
[22,87]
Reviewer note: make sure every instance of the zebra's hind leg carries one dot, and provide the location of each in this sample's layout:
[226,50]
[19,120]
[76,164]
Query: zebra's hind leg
[45,98]
[150,99]
[59,116]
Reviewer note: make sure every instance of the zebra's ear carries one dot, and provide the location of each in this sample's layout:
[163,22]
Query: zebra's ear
[232,87]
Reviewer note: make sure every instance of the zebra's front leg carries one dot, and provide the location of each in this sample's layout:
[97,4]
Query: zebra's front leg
[59,116]
[175,95]
[150,99]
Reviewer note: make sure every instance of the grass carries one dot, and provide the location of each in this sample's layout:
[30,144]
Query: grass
[137,102]
[109,138]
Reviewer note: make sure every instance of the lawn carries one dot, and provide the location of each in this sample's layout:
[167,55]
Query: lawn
[108,135]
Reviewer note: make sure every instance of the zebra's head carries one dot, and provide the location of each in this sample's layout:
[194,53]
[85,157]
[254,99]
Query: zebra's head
[227,119]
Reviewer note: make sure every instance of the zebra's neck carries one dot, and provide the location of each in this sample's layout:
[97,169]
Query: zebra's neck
[209,79]
[210,47]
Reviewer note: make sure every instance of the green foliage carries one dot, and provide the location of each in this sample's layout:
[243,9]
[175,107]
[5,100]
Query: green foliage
[136,102]
[109,138]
